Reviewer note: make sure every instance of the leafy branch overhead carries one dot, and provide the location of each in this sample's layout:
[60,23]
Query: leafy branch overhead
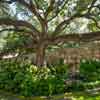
[50,12]
[48,21]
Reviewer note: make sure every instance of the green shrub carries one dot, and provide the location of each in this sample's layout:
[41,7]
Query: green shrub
[90,70]
[27,79]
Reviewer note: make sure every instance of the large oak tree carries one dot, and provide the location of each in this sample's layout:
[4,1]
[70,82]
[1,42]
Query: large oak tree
[47,21]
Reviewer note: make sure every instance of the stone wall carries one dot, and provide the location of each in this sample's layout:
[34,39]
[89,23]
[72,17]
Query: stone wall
[70,55]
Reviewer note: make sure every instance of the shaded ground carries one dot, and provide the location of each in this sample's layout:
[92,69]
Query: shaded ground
[66,96]
[7,96]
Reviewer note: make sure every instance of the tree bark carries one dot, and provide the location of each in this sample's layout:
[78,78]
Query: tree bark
[40,55]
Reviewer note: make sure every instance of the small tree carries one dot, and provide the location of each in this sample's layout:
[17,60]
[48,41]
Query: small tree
[47,21]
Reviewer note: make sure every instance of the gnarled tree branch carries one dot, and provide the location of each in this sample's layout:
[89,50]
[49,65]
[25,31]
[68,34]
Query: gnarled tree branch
[50,8]
[83,37]
[31,7]
[35,11]
[58,10]
[23,31]
[18,23]
[66,22]
[93,19]
[91,6]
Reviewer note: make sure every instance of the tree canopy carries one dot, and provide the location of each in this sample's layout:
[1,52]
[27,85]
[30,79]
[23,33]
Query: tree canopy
[50,22]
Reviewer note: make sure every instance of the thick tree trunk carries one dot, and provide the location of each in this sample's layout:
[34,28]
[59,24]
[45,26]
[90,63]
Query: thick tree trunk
[40,56]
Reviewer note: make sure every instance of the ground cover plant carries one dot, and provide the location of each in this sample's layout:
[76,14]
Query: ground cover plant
[29,80]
